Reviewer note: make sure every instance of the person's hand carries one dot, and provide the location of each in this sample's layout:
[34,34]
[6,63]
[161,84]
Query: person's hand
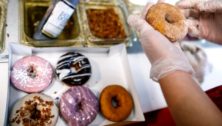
[204,18]
[165,57]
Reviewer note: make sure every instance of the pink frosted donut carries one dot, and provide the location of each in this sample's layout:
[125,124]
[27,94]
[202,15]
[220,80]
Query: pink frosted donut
[31,74]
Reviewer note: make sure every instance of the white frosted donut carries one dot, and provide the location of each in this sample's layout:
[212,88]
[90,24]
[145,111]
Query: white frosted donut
[34,110]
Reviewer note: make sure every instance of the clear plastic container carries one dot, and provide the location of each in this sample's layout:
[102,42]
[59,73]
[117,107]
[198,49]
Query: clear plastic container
[32,12]
[78,32]
[3,10]
[105,23]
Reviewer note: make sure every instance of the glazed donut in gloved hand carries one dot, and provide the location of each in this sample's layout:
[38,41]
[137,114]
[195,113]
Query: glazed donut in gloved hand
[165,57]
[168,20]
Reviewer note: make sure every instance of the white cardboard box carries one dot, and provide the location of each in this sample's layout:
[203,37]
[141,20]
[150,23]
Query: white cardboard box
[109,66]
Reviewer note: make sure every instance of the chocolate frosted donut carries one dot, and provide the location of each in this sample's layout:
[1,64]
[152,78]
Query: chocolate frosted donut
[73,68]
[31,74]
[168,20]
[79,106]
[34,110]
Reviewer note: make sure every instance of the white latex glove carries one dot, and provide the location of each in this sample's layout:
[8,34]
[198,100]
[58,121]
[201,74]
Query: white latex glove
[165,57]
[197,58]
[204,18]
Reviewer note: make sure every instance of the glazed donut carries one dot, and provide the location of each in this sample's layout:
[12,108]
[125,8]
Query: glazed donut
[168,20]
[197,58]
[34,110]
[73,68]
[31,74]
[115,103]
[79,106]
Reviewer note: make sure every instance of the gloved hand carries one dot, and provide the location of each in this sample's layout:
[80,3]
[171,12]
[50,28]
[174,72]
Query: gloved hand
[204,18]
[165,57]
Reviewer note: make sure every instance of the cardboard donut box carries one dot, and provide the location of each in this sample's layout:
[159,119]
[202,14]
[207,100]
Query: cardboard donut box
[108,57]
[109,66]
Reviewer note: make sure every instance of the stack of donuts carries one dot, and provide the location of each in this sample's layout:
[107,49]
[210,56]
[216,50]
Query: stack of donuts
[78,105]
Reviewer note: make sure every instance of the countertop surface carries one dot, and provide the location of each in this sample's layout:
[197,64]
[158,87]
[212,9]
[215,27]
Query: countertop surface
[150,95]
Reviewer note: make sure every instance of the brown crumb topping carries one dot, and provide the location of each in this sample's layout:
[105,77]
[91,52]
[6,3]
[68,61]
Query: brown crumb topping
[105,23]
[35,112]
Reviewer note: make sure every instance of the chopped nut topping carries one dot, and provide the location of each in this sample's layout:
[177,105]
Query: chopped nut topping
[105,23]
[35,112]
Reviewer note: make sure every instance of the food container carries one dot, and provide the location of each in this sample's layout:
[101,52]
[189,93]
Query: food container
[105,22]
[32,12]
[109,66]
[78,31]
[3,11]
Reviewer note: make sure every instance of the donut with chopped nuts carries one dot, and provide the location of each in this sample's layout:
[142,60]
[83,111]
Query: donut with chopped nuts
[34,110]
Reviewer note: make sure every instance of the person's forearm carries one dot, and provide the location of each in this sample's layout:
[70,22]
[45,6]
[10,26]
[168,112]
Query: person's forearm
[188,104]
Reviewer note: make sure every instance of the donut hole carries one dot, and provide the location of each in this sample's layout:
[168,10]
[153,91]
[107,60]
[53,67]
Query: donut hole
[115,101]
[35,113]
[79,106]
[31,71]
[170,19]
[75,67]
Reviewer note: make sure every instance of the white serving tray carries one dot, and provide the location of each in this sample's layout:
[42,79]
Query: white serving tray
[109,66]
